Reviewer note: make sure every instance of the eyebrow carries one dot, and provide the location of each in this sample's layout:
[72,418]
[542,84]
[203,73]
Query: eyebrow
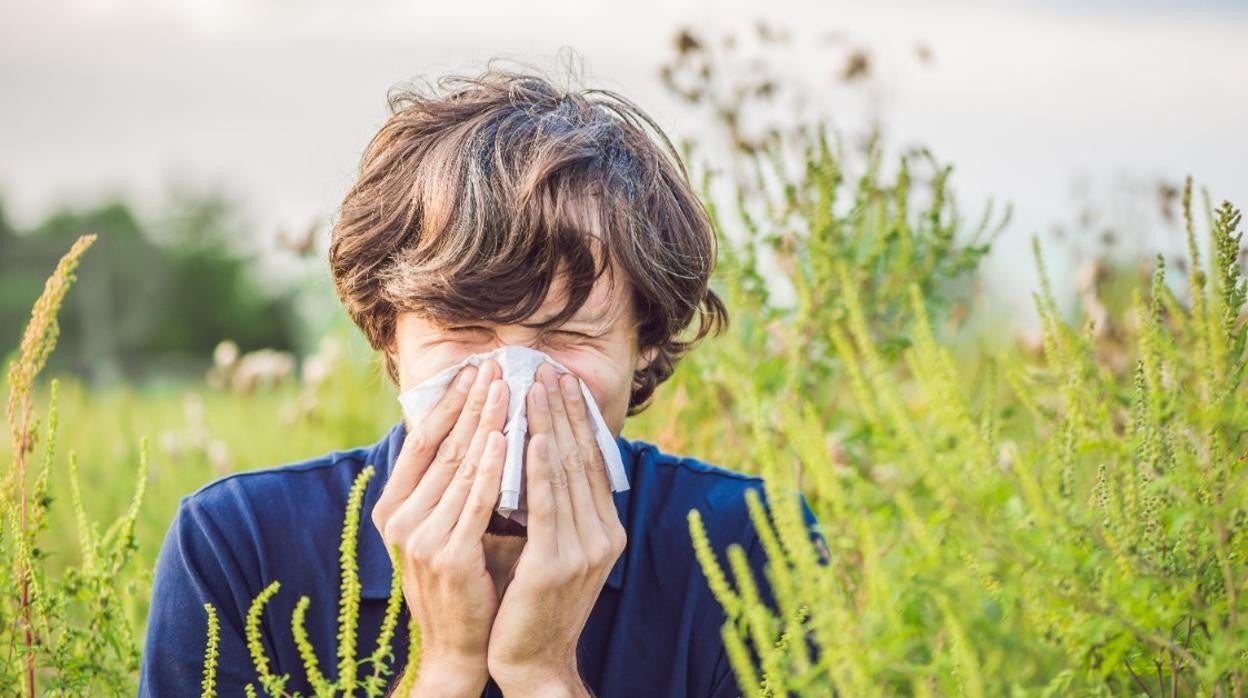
[600,320]
[582,315]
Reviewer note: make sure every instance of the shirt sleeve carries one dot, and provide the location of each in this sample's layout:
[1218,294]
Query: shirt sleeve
[195,567]
[724,682]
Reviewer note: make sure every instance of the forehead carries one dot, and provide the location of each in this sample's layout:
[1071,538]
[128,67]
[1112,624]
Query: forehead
[611,294]
[609,302]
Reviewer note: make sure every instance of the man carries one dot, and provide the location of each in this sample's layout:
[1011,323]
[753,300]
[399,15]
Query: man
[501,211]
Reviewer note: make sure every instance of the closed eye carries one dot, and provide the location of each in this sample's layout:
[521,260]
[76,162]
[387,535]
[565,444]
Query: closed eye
[468,332]
[576,335]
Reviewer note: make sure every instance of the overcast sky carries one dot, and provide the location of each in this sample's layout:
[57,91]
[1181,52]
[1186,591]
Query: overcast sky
[274,99]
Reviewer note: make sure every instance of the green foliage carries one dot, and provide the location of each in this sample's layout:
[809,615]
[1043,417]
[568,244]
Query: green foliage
[1067,521]
[347,681]
[212,652]
[814,238]
[159,295]
[1044,524]
[66,633]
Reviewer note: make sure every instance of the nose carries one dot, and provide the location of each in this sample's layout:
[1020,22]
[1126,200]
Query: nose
[516,336]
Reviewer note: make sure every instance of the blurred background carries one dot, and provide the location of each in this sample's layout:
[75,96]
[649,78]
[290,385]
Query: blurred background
[209,143]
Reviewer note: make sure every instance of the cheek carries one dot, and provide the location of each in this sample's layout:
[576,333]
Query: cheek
[610,382]
[417,365]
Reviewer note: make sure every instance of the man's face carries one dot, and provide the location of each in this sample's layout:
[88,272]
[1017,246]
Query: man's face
[598,344]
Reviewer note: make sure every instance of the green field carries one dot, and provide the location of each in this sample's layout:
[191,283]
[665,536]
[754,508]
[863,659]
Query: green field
[1068,518]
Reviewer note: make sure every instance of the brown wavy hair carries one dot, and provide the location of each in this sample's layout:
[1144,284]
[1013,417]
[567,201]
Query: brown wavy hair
[473,196]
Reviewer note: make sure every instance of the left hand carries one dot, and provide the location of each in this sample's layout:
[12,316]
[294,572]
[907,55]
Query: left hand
[574,538]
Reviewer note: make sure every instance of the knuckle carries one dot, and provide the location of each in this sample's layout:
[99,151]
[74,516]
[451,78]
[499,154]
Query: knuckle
[473,409]
[448,562]
[595,462]
[476,399]
[467,470]
[389,531]
[380,517]
[449,454]
[558,478]
[417,550]
[578,567]
[579,421]
[444,413]
[598,551]
[477,506]
[574,462]
[419,440]
[617,538]
[563,574]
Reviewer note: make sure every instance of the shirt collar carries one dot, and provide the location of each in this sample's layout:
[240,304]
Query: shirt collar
[374,560]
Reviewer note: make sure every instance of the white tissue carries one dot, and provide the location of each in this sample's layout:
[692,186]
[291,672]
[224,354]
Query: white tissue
[519,364]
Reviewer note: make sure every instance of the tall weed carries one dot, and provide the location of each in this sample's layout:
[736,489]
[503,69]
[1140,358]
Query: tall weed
[65,632]
[1045,525]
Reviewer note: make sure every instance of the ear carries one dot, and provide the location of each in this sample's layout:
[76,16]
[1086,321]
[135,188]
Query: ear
[646,357]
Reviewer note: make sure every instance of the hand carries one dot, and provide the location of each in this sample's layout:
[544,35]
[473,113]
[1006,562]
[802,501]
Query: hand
[435,508]
[574,537]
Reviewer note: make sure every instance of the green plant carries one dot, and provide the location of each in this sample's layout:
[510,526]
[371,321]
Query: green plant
[1055,527]
[348,680]
[66,634]
[1063,522]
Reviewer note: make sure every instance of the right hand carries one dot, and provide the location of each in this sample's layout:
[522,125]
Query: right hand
[435,508]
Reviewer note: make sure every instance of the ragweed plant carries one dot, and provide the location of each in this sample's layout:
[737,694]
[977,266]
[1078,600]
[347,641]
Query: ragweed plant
[1050,526]
[811,213]
[65,633]
[377,666]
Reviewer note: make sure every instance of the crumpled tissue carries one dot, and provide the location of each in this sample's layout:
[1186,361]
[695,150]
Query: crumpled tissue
[519,365]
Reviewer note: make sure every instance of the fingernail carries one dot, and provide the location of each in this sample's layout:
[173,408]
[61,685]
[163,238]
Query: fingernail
[548,377]
[571,391]
[464,381]
[539,398]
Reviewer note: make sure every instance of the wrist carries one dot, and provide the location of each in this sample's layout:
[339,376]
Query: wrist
[556,682]
[447,677]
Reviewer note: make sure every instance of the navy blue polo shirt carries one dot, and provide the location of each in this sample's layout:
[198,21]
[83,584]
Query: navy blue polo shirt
[654,630]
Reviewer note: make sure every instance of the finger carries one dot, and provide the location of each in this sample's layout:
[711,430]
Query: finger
[556,480]
[543,512]
[484,496]
[421,444]
[451,505]
[571,460]
[559,424]
[450,453]
[583,430]
[538,410]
